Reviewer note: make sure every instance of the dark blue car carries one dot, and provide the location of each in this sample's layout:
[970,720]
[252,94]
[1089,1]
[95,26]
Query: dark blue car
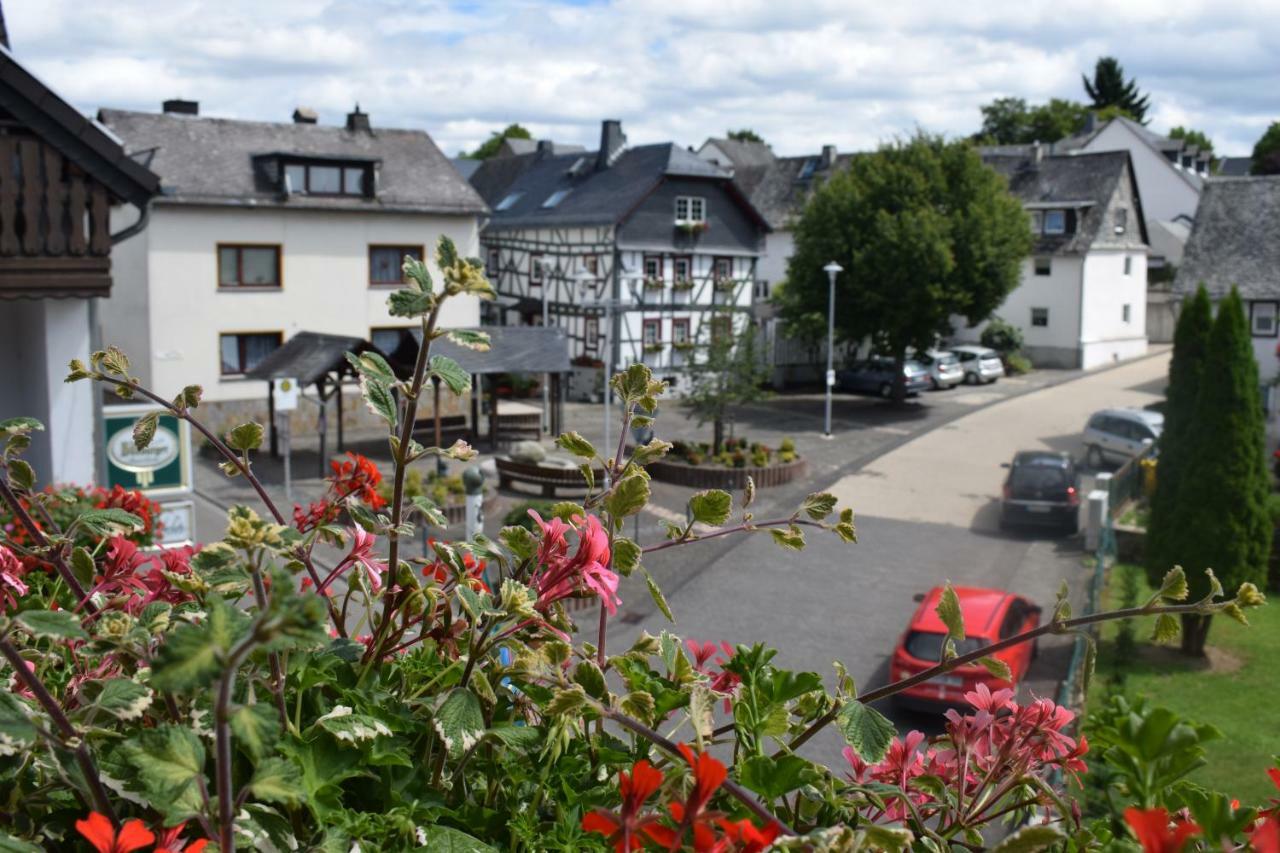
[875,376]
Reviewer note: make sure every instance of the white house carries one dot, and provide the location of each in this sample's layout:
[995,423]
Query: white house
[1082,298]
[267,229]
[1235,243]
[62,177]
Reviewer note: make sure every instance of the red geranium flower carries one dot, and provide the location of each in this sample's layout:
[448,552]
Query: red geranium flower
[1154,833]
[104,838]
[169,842]
[624,830]
[1266,838]
[748,837]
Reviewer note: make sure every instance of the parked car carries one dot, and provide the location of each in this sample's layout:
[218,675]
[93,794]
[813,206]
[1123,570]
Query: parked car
[1042,488]
[944,368]
[990,615]
[980,364]
[875,376]
[1120,434]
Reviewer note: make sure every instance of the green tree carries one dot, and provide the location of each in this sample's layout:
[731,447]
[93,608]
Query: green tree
[925,233]
[1057,119]
[1009,121]
[1108,88]
[1266,153]
[490,146]
[725,371]
[1165,540]
[1192,136]
[1004,122]
[1222,501]
[746,134]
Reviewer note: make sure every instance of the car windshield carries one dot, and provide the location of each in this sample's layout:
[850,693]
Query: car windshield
[1038,477]
[926,645]
[948,360]
[987,354]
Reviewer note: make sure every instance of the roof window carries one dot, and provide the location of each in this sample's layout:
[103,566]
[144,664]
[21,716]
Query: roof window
[509,201]
[333,178]
[556,197]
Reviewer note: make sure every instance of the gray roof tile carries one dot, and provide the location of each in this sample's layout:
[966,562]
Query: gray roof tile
[1235,240]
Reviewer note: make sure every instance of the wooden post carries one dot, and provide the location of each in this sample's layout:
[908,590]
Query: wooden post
[271,418]
[475,408]
[342,444]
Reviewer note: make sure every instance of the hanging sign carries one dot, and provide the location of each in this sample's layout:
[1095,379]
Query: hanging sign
[285,395]
[163,467]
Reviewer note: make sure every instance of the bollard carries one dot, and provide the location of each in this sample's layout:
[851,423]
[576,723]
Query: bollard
[473,483]
[1097,518]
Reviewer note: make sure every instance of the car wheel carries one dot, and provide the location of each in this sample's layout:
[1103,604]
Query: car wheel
[934,383]
[970,378]
[1093,456]
[886,390]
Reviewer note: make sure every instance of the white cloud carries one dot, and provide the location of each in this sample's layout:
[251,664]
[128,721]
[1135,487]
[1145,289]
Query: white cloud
[800,73]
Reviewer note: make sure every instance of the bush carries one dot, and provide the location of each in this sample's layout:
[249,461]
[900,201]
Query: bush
[518,515]
[787,445]
[1002,337]
[1016,364]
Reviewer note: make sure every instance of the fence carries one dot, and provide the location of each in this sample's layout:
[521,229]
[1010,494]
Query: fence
[1127,483]
[1071,688]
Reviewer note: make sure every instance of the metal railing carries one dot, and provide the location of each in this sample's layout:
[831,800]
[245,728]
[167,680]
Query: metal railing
[1126,484]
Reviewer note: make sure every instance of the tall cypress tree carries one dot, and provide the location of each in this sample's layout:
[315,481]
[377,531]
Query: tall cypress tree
[1222,501]
[1190,343]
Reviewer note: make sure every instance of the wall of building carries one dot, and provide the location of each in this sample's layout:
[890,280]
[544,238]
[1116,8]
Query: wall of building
[325,285]
[1166,194]
[1106,337]
[731,229]
[1058,343]
[778,246]
[124,319]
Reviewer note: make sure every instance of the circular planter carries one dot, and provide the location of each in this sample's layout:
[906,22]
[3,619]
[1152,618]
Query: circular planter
[717,477]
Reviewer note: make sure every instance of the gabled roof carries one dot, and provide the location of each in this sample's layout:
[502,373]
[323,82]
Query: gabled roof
[1234,167]
[1233,241]
[1081,181]
[518,190]
[308,356]
[210,161]
[742,153]
[778,187]
[528,146]
[1161,145]
[80,140]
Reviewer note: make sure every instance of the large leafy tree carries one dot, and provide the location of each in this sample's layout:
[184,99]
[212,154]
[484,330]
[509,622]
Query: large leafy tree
[1222,501]
[490,146]
[1108,88]
[925,232]
[1266,153]
[1164,544]
[1010,121]
[725,371]
[1198,138]
[745,134]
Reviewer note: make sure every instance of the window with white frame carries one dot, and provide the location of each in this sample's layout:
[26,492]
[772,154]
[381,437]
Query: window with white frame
[691,208]
[1262,319]
[651,331]
[591,332]
[1055,222]
[653,266]
[1040,316]
[535,270]
[680,330]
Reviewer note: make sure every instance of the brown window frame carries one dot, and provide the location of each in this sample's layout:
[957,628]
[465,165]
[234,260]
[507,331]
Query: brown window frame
[279,336]
[646,324]
[591,264]
[715,268]
[535,266]
[675,272]
[644,266]
[239,249]
[402,249]
[680,323]
[591,333]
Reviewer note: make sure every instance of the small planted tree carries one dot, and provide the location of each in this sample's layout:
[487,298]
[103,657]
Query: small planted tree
[727,373]
[1221,501]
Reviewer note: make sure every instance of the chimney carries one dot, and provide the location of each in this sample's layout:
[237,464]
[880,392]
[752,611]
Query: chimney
[177,106]
[305,115]
[358,121]
[612,141]
[546,148]
[1037,152]
[828,156]
[1090,121]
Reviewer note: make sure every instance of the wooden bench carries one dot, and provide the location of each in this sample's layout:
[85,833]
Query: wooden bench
[452,428]
[549,478]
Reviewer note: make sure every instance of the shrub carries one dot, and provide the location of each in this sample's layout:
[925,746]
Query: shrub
[518,515]
[1004,338]
[787,445]
[1017,364]
[760,458]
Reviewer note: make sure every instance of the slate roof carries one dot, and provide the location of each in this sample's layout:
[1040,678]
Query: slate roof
[1234,167]
[307,356]
[776,186]
[210,161]
[528,146]
[745,154]
[513,349]
[1233,242]
[1161,144]
[1081,181]
[595,197]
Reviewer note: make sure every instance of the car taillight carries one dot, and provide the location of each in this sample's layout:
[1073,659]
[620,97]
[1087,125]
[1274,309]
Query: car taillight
[1072,497]
[1008,492]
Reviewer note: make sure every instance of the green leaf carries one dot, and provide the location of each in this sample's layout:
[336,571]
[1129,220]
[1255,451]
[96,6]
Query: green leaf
[17,732]
[588,475]
[168,759]
[191,396]
[659,599]
[629,495]
[193,655]
[450,373]
[469,338]
[409,303]
[1031,839]
[256,727]
[791,538]
[639,704]
[948,611]
[245,437]
[459,721]
[520,737]
[346,725]
[51,624]
[445,839]
[866,730]
[377,397]
[1174,586]
[276,780]
[105,522]
[566,510]
[588,674]
[20,426]
[568,700]
[626,556]
[82,566]
[369,363]
[1167,628]
[772,778]
[431,513]
[711,506]
[655,449]
[819,505]
[574,443]
[144,429]
[10,844]
[21,475]
[996,667]
[124,698]
[417,271]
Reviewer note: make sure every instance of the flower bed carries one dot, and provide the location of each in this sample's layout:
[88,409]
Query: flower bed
[692,464]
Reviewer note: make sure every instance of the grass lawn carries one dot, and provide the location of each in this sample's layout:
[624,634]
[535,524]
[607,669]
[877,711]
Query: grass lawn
[1237,690]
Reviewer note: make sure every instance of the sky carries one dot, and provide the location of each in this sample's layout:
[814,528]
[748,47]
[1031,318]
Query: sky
[801,74]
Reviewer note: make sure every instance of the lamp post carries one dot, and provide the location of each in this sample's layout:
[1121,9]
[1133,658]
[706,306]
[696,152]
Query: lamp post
[546,393]
[831,270]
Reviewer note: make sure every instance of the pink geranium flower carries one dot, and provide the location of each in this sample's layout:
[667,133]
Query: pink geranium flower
[12,586]
[362,555]
[559,576]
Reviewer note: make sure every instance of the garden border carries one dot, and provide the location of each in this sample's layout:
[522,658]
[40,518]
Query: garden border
[717,477]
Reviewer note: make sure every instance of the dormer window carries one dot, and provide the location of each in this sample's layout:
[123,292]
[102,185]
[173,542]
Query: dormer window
[690,209]
[327,178]
[508,201]
[1055,222]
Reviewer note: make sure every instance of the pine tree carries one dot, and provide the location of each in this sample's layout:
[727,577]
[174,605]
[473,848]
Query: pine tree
[1109,89]
[1222,502]
[1190,343]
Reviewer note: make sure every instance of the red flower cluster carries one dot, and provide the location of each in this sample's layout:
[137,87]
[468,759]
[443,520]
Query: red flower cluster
[559,576]
[723,682]
[12,586]
[134,502]
[440,572]
[712,832]
[357,477]
[134,835]
[134,579]
[1000,740]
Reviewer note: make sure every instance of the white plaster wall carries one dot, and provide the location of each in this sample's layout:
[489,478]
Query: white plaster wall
[126,312]
[325,284]
[1165,192]
[1264,352]
[1105,336]
[1059,292]
[778,247]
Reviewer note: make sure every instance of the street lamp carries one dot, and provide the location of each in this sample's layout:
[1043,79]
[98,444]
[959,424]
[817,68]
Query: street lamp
[831,270]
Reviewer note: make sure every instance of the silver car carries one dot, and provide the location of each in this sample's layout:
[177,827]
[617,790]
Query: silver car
[980,364]
[944,368]
[1120,434]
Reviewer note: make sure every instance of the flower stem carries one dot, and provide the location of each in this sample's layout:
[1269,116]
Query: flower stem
[737,528]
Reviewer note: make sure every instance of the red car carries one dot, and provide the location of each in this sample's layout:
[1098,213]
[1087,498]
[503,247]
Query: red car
[990,615]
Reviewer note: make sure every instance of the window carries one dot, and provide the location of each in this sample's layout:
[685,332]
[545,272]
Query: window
[591,264]
[1040,316]
[1055,222]
[591,333]
[723,269]
[326,179]
[387,338]
[683,267]
[535,270]
[1128,265]
[762,289]
[508,201]
[721,328]
[1037,222]
[651,332]
[242,352]
[691,209]
[556,197]
[248,266]
[1122,220]
[680,330]
[806,171]
[491,263]
[1044,266]
[386,263]
[1125,312]
[653,266]
[1262,319]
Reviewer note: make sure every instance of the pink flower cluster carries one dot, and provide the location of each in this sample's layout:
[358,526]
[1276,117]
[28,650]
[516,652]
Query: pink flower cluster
[12,586]
[559,575]
[999,741]
[135,578]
